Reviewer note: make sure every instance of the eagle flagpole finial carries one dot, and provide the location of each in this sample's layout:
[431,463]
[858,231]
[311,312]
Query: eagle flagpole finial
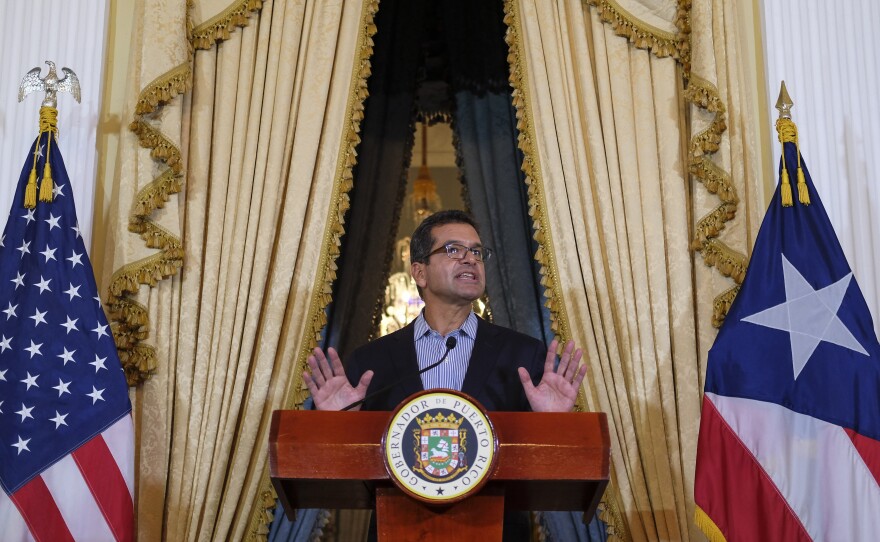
[50,84]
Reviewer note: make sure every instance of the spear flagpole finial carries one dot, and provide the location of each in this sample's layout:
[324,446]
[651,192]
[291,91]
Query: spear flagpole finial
[784,103]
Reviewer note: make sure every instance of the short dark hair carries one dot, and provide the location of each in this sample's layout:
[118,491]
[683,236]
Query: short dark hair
[423,238]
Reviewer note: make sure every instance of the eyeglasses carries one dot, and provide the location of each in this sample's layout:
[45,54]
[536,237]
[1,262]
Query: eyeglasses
[458,252]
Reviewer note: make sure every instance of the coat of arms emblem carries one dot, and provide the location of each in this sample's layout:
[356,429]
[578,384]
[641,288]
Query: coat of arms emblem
[441,447]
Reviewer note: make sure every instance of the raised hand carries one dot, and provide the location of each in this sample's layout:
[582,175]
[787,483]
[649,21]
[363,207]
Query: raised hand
[328,384]
[558,389]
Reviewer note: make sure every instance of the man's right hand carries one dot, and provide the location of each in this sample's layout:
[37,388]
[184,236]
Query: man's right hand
[328,384]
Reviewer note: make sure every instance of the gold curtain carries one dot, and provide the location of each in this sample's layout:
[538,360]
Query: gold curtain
[241,185]
[618,113]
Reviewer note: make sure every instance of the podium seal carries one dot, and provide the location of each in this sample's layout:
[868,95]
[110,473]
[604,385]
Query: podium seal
[440,446]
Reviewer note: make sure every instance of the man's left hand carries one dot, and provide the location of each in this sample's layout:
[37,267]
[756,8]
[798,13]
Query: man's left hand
[558,389]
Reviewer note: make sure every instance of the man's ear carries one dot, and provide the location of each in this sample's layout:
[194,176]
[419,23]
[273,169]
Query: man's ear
[418,272]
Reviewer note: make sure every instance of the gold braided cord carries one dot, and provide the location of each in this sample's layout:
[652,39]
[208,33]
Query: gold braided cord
[609,506]
[639,33]
[263,510]
[164,88]
[219,27]
[130,324]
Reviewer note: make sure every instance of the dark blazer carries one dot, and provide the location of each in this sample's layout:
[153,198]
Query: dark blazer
[491,377]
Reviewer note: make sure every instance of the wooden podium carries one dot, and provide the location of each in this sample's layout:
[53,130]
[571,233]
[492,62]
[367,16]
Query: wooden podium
[546,461]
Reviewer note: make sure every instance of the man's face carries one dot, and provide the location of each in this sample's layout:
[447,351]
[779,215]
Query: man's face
[447,281]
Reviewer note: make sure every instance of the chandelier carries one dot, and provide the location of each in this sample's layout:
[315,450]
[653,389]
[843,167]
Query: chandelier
[424,198]
[402,301]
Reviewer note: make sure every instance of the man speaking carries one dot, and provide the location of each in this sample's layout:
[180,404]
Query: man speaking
[447,345]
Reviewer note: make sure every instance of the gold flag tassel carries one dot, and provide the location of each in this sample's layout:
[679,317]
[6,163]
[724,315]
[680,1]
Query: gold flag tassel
[782,126]
[30,191]
[48,123]
[803,193]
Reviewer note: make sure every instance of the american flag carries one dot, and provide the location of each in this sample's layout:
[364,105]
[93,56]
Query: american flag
[66,436]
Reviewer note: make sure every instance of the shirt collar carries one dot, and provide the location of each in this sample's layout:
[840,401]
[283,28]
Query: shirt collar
[468,328]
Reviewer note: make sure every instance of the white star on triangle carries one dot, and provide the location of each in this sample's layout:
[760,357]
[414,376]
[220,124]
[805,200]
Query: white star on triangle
[2,239]
[21,445]
[4,344]
[96,395]
[25,412]
[3,378]
[49,253]
[77,230]
[58,419]
[30,381]
[75,259]
[52,221]
[10,310]
[58,190]
[29,216]
[67,356]
[809,316]
[34,349]
[62,387]
[38,152]
[18,280]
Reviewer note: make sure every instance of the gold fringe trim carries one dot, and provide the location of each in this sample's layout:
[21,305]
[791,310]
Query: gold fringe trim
[164,89]
[727,261]
[261,515]
[722,304]
[711,225]
[221,26]
[161,148]
[705,523]
[156,194]
[641,35]
[705,95]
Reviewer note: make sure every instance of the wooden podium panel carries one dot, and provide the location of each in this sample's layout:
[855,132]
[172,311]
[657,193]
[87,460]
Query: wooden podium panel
[546,461]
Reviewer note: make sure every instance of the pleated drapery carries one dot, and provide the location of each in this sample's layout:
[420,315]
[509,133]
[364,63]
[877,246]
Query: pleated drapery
[253,166]
[616,113]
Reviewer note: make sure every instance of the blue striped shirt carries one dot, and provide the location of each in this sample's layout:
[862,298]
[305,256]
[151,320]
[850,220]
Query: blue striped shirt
[430,346]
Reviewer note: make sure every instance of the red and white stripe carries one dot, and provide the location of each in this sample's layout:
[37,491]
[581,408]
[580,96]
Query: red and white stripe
[87,495]
[765,472]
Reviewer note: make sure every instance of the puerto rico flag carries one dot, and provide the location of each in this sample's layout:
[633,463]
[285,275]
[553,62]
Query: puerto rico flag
[789,445]
[66,437]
